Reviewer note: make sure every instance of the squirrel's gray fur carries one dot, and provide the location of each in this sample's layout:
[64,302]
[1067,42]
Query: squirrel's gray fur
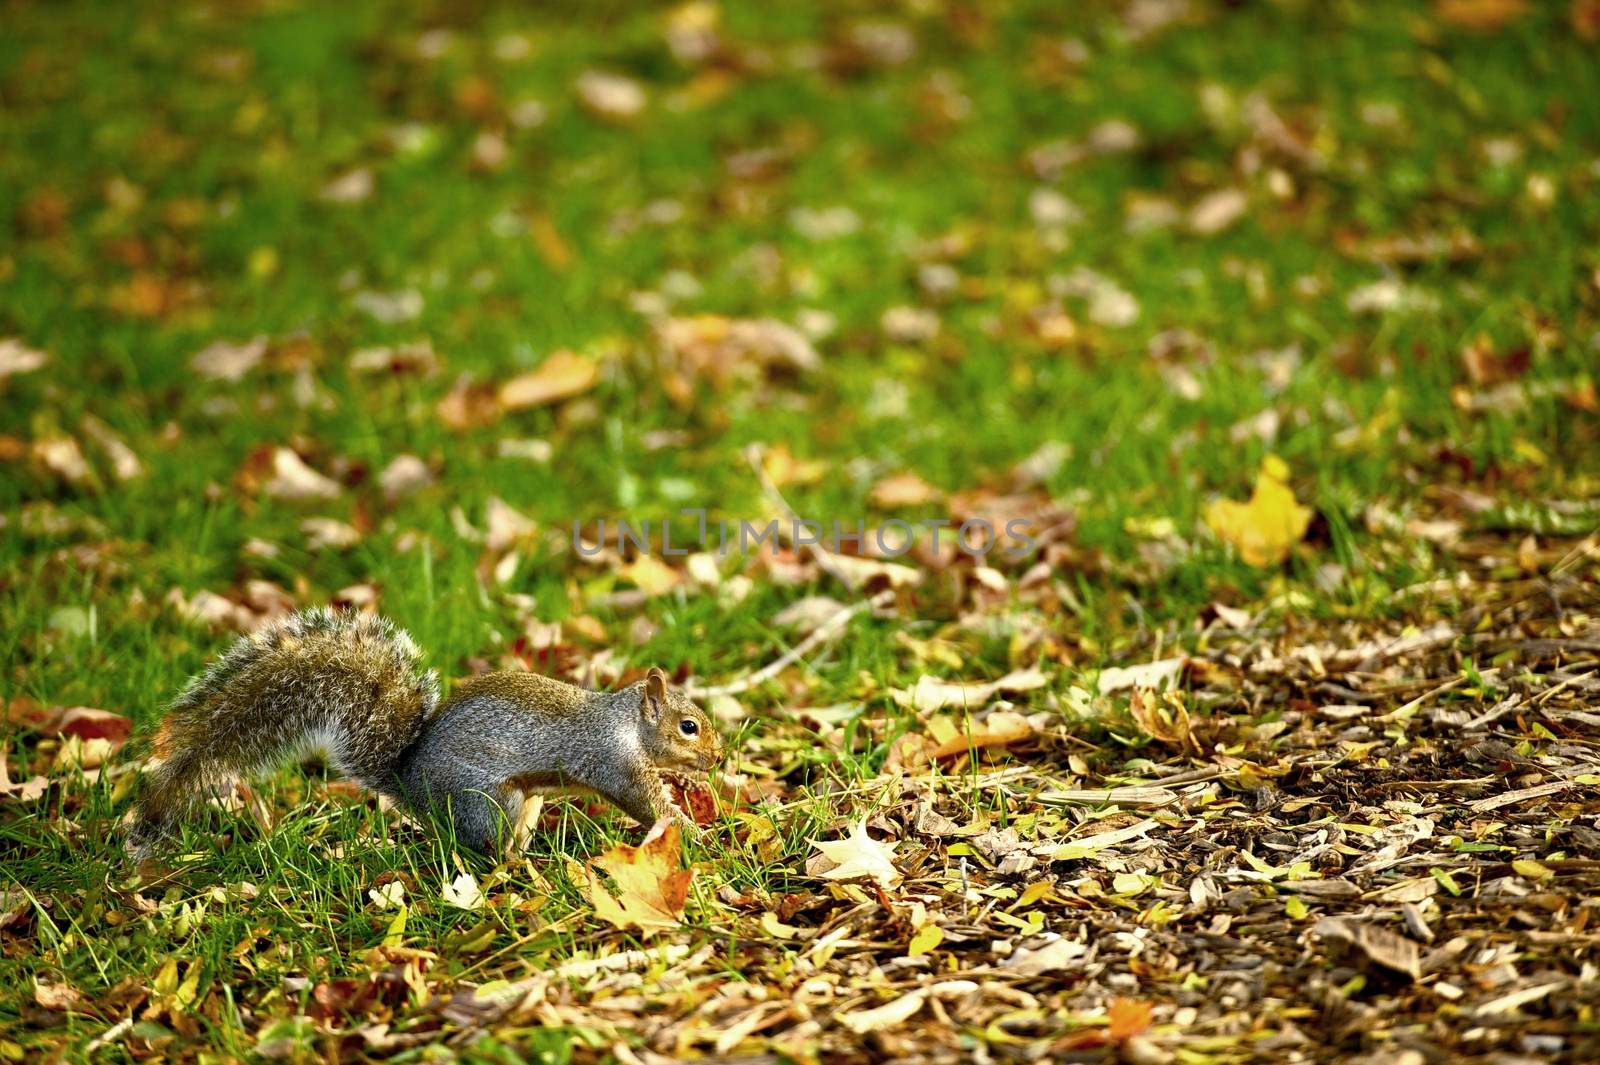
[353,685]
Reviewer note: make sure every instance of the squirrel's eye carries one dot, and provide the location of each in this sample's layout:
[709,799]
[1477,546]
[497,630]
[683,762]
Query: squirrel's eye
[688,727]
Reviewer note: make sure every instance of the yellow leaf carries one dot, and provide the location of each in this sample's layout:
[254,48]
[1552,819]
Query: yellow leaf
[651,889]
[397,928]
[561,376]
[1268,525]
[1033,893]
[784,469]
[927,937]
[166,981]
[776,928]
[1531,869]
[652,576]
[184,997]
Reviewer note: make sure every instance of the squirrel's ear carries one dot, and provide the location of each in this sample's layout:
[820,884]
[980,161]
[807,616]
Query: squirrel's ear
[655,695]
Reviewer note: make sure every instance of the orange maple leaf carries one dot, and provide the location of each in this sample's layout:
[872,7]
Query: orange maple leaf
[1128,1018]
[650,889]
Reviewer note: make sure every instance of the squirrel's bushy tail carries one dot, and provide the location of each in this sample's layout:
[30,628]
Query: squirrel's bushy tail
[350,684]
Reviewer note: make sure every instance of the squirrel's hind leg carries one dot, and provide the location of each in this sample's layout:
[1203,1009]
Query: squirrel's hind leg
[482,820]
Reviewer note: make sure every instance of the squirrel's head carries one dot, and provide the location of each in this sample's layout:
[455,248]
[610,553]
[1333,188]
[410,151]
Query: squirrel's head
[676,732]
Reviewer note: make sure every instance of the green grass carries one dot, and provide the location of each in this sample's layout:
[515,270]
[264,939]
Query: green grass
[160,170]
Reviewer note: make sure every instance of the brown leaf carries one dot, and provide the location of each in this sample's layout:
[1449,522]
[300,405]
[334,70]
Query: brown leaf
[507,525]
[1485,366]
[651,889]
[1484,16]
[562,375]
[88,723]
[1170,725]
[931,693]
[720,349]
[61,997]
[469,404]
[903,490]
[1586,19]
[1378,945]
[28,790]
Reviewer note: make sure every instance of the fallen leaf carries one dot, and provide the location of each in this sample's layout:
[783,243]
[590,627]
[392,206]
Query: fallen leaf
[62,456]
[896,1011]
[125,465]
[927,938]
[1167,721]
[389,307]
[931,693]
[1379,945]
[463,893]
[324,534]
[652,576]
[506,524]
[417,358]
[1216,211]
[903,490]
[350,187]
[404,474]
[16,357]
[1264,529]
[63,997]
[855,857]
[26,791]
[89,723]
[1482,15]
[1055,954]
[721,349]
[651,889]
[468,404]
[610,96]
[859,572]
[909,325]
[805,614]
[223,360]
[780,465]
[562,375]
[293,479]
[1128,1018]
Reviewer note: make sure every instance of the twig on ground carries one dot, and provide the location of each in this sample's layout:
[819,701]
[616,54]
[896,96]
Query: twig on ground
[821,634]
[753,455]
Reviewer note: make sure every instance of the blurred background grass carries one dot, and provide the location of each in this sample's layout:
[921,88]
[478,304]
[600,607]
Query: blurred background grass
[1171,236]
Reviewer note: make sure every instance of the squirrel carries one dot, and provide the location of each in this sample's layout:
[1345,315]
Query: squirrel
[353,685]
